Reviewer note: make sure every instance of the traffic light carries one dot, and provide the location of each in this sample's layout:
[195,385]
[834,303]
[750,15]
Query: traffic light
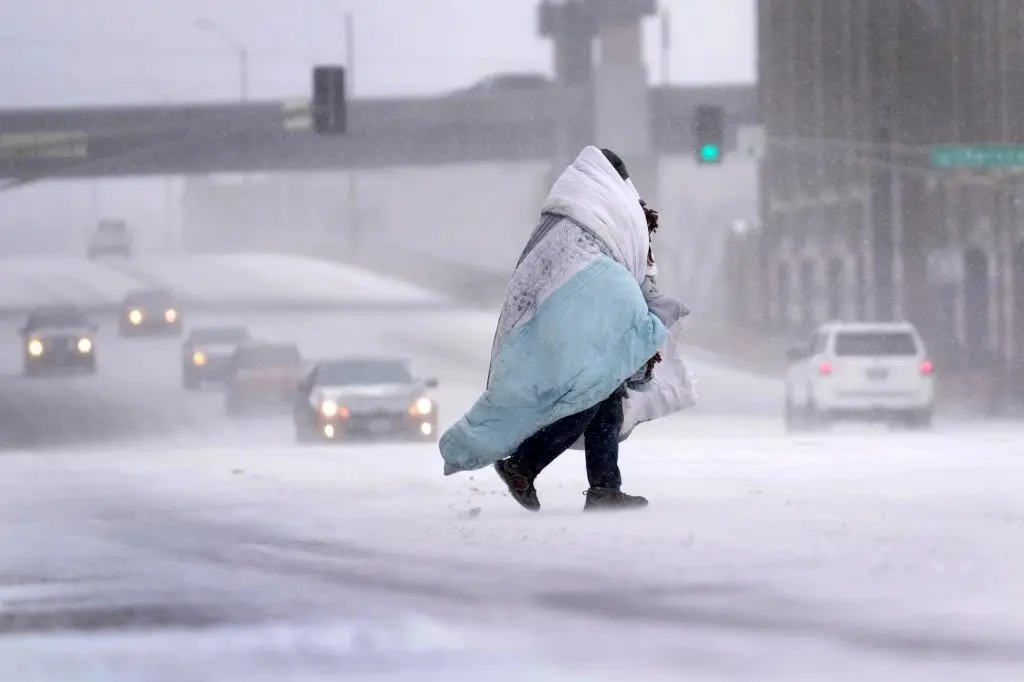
[328,109]
[709,134]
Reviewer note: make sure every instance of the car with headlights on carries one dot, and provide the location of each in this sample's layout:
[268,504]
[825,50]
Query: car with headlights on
[262,375]
[150,312]
[364,398]
[206,354]
[58,339]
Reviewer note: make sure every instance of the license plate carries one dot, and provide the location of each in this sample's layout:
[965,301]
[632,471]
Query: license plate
[877,374]
[379,425]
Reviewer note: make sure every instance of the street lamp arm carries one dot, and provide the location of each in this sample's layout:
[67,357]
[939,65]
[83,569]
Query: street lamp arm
[239,48]
[204,24]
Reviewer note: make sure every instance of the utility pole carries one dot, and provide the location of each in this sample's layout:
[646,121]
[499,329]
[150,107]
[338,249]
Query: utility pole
[240,50]
[884,180]
[666,45]
[350,51]
[243,73]
[883,242]
[355,214]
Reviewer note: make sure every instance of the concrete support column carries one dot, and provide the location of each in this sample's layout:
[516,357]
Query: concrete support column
[620,100]
[621,112]
[621,43]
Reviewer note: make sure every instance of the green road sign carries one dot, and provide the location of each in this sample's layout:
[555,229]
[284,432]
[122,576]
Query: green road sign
[44,145]
[977,156]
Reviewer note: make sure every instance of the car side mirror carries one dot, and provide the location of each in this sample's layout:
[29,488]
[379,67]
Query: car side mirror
[430,383]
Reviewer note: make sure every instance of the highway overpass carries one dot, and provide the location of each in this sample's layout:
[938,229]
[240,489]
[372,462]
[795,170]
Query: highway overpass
[275,136]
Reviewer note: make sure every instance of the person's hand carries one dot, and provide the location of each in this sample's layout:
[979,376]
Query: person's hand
[652,217]
[650,365]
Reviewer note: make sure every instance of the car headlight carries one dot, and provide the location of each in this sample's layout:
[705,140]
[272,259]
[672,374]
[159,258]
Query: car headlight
[423,406]
[171,315]
[135,316]
[35,348]
[84,345]
[330,409]
[199,358]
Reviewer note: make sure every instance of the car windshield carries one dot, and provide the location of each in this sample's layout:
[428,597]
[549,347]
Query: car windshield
[353,372]
[269,357]
[56,317]
[108,228]
[867,344]
[220,335]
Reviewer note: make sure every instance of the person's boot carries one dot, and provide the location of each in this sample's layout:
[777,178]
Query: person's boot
[520,486]
[601,499]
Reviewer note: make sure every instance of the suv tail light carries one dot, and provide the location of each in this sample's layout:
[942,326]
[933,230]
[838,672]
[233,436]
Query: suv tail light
[927,368]
[825,369]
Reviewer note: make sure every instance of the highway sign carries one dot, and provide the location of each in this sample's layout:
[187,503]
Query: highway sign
[977,156]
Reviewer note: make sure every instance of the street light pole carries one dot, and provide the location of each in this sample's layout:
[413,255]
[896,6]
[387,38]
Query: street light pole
[350,50]
[240,50]
[243,73]
[354,212]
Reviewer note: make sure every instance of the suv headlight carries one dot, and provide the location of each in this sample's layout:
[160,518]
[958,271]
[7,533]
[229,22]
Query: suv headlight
[422,407]
[84,345]
[35,347]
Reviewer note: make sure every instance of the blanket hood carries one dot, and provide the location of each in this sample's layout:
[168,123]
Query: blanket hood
[591,192]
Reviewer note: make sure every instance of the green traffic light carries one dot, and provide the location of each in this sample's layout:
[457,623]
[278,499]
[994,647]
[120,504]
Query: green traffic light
[710,152]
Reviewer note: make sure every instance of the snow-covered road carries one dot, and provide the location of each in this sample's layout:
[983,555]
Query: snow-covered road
[143,536]
[847,556]
[272,280]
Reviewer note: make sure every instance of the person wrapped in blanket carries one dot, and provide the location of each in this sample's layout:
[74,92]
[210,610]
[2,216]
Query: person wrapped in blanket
[583,351]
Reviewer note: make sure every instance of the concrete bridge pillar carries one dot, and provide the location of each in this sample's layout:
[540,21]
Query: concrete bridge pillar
[621,91]
[617,82]
[621,115]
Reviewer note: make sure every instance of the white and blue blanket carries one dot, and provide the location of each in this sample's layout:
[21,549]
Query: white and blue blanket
[575,324]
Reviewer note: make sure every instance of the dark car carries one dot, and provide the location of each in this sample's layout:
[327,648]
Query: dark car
[364,398]
[58,339]
[206,354]
[262,375]
[150,313]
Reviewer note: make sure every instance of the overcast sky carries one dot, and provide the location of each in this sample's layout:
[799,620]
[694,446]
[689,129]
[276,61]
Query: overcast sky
[56,52]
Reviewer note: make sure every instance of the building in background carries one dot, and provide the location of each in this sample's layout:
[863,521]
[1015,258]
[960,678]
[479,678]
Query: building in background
[857,224]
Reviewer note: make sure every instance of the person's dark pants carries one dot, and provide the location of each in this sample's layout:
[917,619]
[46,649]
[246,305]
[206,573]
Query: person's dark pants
[599,427]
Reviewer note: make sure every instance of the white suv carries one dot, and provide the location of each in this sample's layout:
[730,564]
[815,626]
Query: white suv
[860,371]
